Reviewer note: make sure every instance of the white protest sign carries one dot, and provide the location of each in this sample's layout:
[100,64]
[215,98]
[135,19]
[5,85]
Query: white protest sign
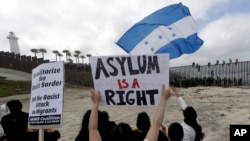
[46,101]
[130,79]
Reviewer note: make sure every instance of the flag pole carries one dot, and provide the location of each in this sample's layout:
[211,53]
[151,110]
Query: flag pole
[41,135]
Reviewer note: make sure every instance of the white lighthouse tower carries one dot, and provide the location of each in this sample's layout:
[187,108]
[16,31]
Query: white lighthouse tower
[13,43]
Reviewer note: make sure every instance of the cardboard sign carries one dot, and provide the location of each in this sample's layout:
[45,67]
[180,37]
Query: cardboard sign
[130,80]
[46,102]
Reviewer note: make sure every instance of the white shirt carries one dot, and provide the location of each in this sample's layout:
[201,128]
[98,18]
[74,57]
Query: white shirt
[182,103]
[189,132]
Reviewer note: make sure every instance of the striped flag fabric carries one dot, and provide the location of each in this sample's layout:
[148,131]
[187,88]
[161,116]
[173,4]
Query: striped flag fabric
[170,30]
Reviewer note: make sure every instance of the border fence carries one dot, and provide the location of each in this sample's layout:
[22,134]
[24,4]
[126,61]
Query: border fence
[75,74]
[225,74]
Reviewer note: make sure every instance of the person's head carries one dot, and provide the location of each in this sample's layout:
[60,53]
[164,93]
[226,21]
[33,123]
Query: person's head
[105,115]
[122,132]
[85,119]
[14,106]
[175,132]
[190,113]
[190,118]
[105,123]
[143,121]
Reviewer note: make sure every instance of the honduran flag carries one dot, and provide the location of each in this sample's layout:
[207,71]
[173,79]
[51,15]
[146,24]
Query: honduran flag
[169,30]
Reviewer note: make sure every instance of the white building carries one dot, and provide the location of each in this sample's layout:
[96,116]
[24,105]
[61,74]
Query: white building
[13,43]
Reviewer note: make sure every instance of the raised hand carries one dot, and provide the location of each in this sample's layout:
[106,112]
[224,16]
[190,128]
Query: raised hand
[175,91]
[166,93]
[95,96]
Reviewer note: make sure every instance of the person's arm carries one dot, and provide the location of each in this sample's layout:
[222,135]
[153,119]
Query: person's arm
[180,99]
[153,132]
[94,134]
[163,129]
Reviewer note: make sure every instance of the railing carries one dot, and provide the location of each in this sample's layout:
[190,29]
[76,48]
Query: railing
[230,74]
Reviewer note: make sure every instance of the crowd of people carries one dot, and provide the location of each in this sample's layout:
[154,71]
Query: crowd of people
[145,130]
[96,125]
[15,126]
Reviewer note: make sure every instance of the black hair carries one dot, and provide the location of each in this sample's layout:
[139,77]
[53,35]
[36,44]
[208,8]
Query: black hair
[84,132]
[143,122]
[105,115]
[14,106]
[175,132]
[191,119]
[122,132]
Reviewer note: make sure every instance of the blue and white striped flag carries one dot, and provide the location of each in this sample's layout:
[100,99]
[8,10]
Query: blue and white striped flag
[169,30]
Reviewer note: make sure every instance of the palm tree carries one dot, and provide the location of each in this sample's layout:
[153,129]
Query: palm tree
[56,52]
[69,56]
[60,55]
[82,56]
[70,60]
[35,51]
[66,53]
[42,50]
[78,54]
[89,55]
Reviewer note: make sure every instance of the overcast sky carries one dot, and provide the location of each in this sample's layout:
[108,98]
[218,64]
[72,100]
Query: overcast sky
[92,26]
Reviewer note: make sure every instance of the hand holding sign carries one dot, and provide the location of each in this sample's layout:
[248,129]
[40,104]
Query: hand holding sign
[166,93]
[95,96]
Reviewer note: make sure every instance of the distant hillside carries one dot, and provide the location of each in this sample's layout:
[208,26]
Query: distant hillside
[15,75]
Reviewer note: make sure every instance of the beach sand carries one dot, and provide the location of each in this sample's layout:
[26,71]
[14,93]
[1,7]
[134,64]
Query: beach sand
[217,109]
